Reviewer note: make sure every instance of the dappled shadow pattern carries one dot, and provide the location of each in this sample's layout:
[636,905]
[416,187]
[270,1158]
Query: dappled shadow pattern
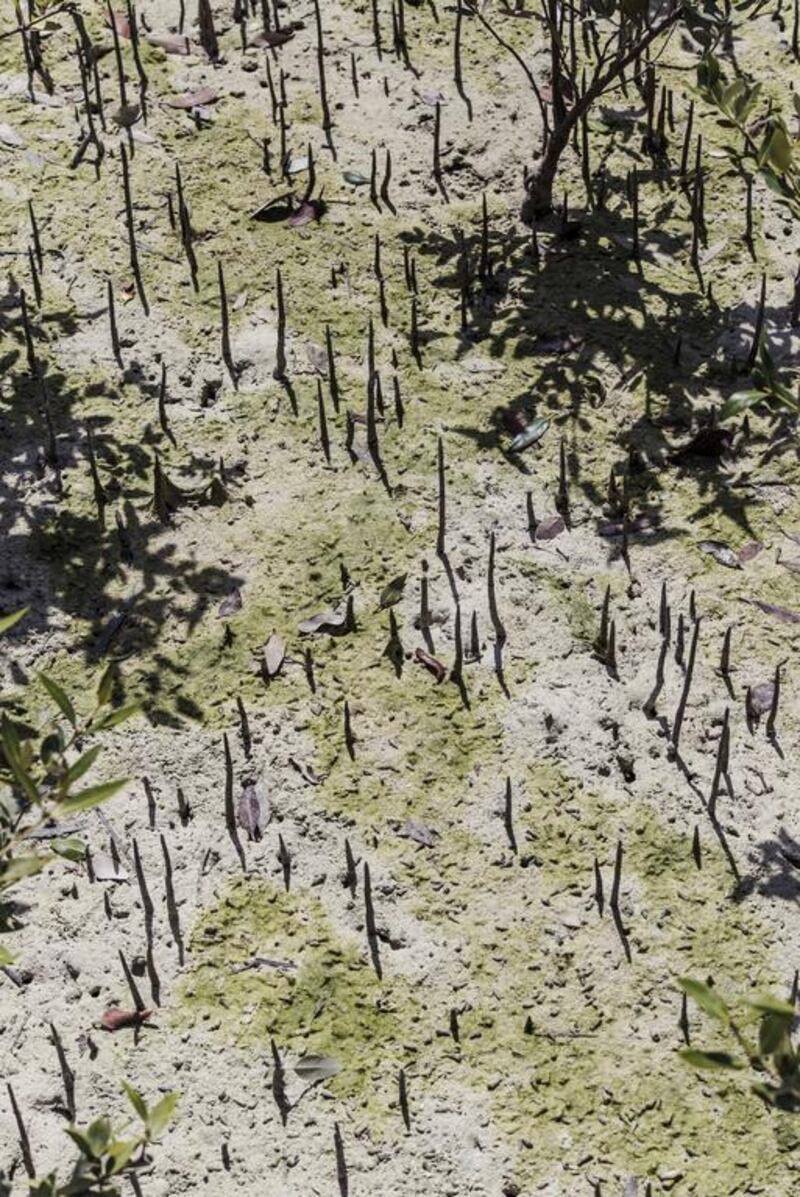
[582,309]
[779,867]
[113,568]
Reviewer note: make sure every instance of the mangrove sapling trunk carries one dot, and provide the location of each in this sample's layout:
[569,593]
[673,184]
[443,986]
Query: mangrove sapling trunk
[566,118]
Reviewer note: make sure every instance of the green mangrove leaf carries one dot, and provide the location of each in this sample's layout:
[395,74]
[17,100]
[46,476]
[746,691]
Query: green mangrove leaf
[738,403]
[8,621]
[21,867]
[120,1152]
[767,1003]
[773,1035]
[106,684]
[160,1114]
[82,765]
[137,1101]
[705,997]
[59,698]
[70,849]
[112,718]
[85,799]
[698,1059]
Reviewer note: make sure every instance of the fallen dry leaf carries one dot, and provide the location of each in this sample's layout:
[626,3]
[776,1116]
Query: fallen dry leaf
[252,812]
[412,829]
[115,1020]
[435,667]
[310,211]
[10,136]
[327,621]
[120,23]
[550,527]
[231,604]
[722,553]
[748,551]
[193,99]
[759,699]
[170,43]
[105,868]
[781,613]
[272,38]
[274,655]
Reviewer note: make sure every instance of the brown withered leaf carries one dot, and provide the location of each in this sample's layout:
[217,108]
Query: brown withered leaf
[252,812]
[550,527]
[431,664]
[193,99]
[274,655]
[231,604]
[115,1019]
[748,551]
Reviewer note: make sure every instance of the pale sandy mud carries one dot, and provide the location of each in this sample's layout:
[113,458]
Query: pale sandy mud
[537,1057]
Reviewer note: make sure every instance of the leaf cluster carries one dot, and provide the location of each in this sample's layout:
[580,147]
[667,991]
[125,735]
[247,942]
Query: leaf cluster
[43,771]
[772,1053]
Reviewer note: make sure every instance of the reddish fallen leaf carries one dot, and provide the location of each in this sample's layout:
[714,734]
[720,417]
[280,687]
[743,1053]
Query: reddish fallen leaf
[272,37]
[120,23]
[549,528]
[310,210]
[170,43]
[748,551]
[436,667]
[781,613]
[115,1020]
[193,99]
